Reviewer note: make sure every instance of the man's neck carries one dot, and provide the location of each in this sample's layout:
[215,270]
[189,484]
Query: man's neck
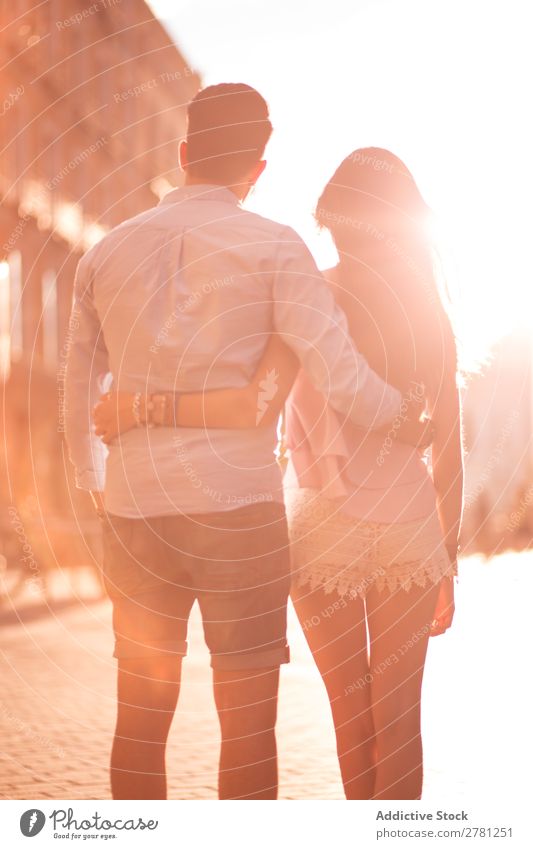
[196,181]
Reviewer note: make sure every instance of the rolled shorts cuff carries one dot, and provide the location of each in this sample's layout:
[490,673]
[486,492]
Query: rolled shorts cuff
[251,660]
[163,648]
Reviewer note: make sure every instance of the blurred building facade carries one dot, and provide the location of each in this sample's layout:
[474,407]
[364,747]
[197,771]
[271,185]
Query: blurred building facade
[94,101]
[93,105]
[498,426]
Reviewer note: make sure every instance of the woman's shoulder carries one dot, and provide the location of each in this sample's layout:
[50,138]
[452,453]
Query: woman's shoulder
[331,274]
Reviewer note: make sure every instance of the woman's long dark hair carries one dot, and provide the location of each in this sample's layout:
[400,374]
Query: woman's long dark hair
[379,222]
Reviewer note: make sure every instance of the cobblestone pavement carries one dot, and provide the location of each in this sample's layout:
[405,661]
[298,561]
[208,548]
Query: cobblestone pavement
[57,702]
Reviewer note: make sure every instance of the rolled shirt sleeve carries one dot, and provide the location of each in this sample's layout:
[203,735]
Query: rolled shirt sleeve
[312,324]
[87,367]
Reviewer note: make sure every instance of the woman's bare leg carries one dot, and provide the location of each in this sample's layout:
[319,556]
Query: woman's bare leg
[399,626]
[335,630]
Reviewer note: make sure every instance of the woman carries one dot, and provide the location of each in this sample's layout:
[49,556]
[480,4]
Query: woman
[374,534]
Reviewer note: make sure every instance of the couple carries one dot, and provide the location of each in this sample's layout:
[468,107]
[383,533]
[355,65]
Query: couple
[211,320]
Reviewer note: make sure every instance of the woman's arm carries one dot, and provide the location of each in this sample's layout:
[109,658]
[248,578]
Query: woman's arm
[447,459]
[447,462]
[257,404]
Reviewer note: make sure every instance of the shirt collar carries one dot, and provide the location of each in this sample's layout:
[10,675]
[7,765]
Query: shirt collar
[200,191]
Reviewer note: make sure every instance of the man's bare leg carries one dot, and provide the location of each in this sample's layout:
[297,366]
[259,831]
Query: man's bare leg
[246,702]
[148,690]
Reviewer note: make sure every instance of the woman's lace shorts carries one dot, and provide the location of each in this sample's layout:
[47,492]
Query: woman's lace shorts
[346,555]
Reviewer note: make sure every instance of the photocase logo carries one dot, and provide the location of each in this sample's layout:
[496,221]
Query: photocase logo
[269,388]
[32,822]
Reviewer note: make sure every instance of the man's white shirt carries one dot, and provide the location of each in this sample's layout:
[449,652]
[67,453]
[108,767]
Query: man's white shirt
[184,298]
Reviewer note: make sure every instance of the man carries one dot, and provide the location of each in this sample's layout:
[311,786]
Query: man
[184,297]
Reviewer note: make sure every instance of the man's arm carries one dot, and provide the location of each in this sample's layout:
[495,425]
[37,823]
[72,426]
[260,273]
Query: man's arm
[86,365]
[311,323]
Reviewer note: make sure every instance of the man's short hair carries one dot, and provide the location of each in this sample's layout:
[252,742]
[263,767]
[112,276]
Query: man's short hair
[228,128]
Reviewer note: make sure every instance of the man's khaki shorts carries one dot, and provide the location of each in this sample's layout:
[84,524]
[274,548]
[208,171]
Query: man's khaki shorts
[236,563]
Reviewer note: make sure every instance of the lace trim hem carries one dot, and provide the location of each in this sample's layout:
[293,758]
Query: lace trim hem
[335,551]
[356,582]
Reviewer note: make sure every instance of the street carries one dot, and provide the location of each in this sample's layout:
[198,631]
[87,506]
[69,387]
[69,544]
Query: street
[57,702]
